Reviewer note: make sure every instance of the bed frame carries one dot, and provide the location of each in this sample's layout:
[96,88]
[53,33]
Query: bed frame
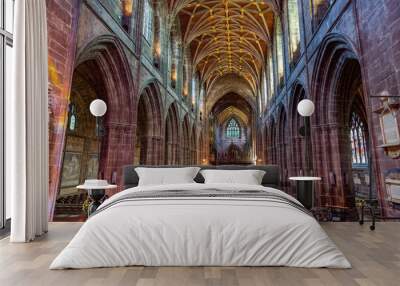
[270,179]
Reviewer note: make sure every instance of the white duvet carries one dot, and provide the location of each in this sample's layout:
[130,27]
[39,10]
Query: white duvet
[200,231]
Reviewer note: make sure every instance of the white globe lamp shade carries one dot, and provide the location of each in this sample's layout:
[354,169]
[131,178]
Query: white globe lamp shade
[305,108]
[98,107]
[384,93]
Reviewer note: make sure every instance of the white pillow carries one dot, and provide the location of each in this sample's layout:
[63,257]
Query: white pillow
[248,177]
[166,176]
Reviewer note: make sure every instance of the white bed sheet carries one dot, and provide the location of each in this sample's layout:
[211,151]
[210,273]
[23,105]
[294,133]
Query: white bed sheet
[200,232]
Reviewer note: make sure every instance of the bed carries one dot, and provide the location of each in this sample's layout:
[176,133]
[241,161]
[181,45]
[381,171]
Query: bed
[197,224]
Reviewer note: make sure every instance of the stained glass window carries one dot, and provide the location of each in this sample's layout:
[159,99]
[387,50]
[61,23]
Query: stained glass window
[194,89]
[127,12]
[271,77]
[279,50]
[265,89]
[294,29]
[201,101]
[233,129]
[319,9]
[148,21]
[358,140]
[72,117]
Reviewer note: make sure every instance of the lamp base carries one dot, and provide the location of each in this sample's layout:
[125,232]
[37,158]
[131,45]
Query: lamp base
[305,193]
[96,196]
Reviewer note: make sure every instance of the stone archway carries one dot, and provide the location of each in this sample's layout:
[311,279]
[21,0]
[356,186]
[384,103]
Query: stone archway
[172,145]
[81,147]
[336,79]
[101,71]
[148,146]
[227,107]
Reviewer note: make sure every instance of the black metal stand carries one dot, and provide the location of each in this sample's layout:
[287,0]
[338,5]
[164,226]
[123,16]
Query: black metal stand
[307,144]
[96,196]
[371,205]
[305,193]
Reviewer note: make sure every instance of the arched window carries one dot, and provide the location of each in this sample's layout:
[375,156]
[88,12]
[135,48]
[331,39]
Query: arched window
[271,77]
[265,88]
[174,57]
[279,51]
[232,129]
[358,140]
[294,29]
[127,12]
[72,117]
[319,9]
[148,22]
[193,89]
[201,101]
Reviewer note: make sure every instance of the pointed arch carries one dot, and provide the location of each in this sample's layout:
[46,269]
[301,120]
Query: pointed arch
[334,51]
[113,83]
[337,85]
[148,128]
[172,135]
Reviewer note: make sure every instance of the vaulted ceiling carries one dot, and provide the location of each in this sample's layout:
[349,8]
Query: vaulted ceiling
[226,36]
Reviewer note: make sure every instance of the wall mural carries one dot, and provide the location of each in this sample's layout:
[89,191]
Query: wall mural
[189,89]
[71,172]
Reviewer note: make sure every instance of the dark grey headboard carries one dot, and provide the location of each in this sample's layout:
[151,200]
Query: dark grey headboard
[271,177]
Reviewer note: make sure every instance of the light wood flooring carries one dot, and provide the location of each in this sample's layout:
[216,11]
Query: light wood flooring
[375,257]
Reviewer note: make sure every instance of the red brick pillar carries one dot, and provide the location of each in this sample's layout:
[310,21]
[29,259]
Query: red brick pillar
[320,140]
[154,149]
[117,151]
[61,60]
[336,165]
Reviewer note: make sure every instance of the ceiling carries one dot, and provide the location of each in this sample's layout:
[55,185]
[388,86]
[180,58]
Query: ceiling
[225,36]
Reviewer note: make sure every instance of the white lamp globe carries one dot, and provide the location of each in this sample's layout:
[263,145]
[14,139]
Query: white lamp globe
[384,93]
[98,107]
[305,108]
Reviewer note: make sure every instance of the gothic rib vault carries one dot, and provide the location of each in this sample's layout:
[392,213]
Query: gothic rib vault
[226,37]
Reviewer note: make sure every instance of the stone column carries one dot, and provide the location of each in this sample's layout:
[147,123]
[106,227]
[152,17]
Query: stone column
[117,150]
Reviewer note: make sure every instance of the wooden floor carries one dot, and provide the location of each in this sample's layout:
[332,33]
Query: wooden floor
[375,257]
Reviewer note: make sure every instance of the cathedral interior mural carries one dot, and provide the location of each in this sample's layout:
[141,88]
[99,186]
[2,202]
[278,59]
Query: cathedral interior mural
[199,142]
[219,83]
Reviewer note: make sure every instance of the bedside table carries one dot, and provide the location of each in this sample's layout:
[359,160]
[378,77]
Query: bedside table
[305,190]
[96,190]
